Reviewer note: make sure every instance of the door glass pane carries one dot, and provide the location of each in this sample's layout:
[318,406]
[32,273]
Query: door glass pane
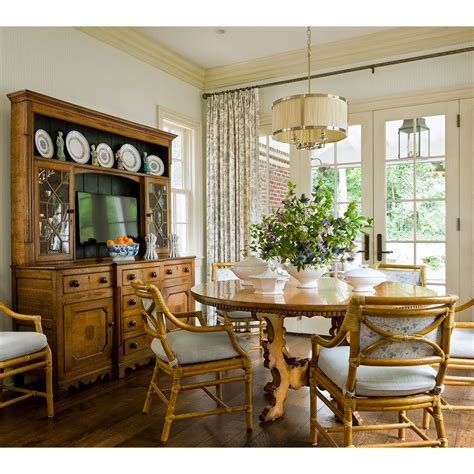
[430,220]
[349,184]
[324,176]
[399,222]
[416,194]
[158,204]
[349,150]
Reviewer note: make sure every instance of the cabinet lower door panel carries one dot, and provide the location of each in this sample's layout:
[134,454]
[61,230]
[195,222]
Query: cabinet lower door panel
[88,329]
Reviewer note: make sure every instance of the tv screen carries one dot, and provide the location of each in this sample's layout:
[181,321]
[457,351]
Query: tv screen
[102,217]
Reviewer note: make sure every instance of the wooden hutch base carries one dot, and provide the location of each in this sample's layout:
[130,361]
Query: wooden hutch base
[89,311]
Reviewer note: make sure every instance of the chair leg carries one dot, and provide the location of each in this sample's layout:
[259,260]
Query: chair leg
[260,334]
[49,384]
[169,418]
[218,387]
[347,423]
[402,432]
[149,395]
[426,420]
[313,403]
[439,423]
[248,398]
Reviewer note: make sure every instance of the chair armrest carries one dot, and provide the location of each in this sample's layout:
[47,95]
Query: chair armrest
[22,317]
[192,314]
[464,324]
[328,343]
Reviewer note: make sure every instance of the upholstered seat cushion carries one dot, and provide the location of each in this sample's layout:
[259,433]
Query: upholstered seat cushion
[376,381]
[17,344]
[192,348]
[462,343]
[240,315]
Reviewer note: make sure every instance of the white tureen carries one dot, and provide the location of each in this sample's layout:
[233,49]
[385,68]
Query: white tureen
[364,279]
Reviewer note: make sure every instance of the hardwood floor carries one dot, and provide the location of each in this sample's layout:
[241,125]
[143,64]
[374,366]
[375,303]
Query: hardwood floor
[109,413]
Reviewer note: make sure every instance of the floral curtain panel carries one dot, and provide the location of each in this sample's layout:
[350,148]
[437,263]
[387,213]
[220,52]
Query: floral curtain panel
[233,198]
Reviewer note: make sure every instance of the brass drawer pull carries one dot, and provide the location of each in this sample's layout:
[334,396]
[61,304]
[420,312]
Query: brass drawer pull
[111,324]
[132,302]
[75,283]
[132,276]
[154,274]
[132,323]
[187,269]
[133,345]
[169,271]
[104,280]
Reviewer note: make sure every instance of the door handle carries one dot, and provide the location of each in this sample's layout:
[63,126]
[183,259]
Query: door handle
[366,250]
[380,252]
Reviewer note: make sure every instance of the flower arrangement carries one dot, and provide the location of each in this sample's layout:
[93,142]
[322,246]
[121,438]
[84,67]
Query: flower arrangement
[304,232]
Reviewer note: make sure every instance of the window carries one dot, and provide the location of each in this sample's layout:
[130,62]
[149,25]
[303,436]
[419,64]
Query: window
[182,156]
[274,172]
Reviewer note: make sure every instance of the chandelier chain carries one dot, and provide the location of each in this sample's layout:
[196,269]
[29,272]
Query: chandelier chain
[308,44]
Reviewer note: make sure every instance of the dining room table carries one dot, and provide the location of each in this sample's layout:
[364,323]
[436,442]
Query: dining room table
[329,299]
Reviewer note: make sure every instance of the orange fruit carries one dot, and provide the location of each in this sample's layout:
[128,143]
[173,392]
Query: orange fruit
[110,242]
[130,241]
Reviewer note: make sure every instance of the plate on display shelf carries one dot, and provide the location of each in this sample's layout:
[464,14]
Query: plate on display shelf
[78,147]
[155,165]
[44,143]
[105,155]
[130,157]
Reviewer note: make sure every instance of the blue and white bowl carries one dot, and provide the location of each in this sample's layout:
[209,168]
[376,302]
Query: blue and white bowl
[123,252]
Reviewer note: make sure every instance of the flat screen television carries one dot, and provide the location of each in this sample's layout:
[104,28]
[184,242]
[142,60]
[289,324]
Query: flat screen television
[102,217]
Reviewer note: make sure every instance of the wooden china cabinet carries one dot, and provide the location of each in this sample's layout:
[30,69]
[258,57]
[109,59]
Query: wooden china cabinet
[89,311]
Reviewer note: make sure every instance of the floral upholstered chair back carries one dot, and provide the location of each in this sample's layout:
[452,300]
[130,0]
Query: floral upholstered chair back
[399,331]
[408,274]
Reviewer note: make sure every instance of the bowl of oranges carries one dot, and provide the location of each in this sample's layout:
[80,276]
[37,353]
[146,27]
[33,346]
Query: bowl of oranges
[122,249]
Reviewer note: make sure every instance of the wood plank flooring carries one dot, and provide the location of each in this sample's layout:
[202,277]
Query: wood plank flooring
[109,413]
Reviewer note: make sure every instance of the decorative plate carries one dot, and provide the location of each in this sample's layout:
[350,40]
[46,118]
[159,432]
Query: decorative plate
[44,143]
[131,157]
[105,155]
[78,147]
[155,165]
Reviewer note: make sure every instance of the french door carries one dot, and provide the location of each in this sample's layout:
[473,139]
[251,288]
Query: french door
[397,165]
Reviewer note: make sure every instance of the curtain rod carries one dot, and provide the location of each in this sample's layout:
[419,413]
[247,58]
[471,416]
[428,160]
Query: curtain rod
[344,71]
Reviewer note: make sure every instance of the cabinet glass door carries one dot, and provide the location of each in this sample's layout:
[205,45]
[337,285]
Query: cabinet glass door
[54,217]
[158,218]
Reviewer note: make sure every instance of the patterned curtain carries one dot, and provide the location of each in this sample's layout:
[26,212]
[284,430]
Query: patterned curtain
[233,199]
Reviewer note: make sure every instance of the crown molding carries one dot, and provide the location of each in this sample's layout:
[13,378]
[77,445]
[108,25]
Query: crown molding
[138,45]
[374,46]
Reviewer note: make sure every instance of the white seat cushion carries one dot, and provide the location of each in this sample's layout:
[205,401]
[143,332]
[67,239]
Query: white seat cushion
[462,343]
[376,381]
[192,348]
[17,344]
[239,314]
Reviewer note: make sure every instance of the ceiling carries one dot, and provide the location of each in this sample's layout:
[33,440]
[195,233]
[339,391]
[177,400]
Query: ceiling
[208,49]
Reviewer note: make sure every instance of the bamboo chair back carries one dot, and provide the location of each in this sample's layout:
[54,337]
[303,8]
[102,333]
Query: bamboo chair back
[397,332]
[220,271]
[409,274]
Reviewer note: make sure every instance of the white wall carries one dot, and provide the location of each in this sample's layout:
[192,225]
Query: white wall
[70,65]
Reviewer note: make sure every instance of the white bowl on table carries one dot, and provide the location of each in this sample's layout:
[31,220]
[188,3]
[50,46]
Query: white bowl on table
[364,279]
[249,266]
[269,283]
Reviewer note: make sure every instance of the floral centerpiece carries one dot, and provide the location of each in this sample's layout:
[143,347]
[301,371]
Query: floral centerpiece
[304,234]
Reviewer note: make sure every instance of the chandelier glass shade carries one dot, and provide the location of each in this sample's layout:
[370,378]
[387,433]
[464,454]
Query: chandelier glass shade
[310,120]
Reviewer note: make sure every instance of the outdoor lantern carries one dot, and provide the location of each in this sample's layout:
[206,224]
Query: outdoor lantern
[413,138]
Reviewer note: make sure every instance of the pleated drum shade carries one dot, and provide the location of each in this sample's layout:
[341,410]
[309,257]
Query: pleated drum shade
[302,119]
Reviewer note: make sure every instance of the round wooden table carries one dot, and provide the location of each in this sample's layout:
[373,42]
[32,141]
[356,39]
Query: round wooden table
[329,300]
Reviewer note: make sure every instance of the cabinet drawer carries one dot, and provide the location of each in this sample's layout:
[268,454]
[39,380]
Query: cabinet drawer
[175,271]
[136,344]
[87,281]
[131,302]
[130,275]
[133,322]
[151,275]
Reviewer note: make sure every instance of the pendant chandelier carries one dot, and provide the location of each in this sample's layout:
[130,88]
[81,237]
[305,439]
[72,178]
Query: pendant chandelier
[309,121]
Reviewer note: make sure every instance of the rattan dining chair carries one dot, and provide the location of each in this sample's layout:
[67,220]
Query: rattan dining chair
[24,351]
[460,358]
[189,351]
[241,320]
[410,274]
[388,366]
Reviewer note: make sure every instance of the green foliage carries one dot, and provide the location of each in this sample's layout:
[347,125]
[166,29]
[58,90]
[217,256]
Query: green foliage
[433,262]
[304,231]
